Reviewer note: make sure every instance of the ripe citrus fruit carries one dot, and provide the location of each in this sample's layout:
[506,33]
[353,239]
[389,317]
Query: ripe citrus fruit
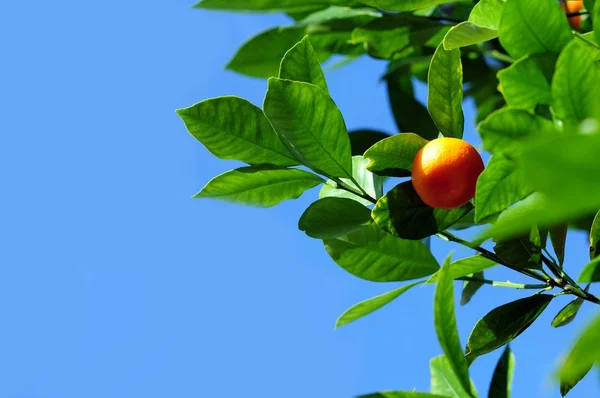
[445,172]
[573,6]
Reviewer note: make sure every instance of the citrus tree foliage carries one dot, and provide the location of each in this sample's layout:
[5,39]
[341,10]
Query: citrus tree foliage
[534,76]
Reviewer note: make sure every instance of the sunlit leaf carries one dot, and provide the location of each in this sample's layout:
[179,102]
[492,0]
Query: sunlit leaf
[370,182]
[568,313]
[301,64]
[394,156]
[444,381]
[465,267]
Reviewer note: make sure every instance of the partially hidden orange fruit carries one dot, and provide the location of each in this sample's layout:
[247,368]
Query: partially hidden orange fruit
[571,6]
[445,172]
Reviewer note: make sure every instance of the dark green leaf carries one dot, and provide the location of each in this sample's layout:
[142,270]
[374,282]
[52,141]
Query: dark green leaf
[531,27]
[445,92]
[401,394]
[522,251]
[329,218]
[361,140]
[401,212]
[370,182]
[576,85]
[568,313]
[261,186]
[591,272]
[504,324]
[595,234]
[466,34]
[582,357]
[526,83]
[501,185]
[394,156]
[466,267]
[445,326]
[404,5]
[233,128]
[409,114]
[595,10]
[558,237]
[444,380]
[266,5]
[366,307]
[301,64]
[471,287]
[311,125]
[375,255]
[501,386]
[589,5]
[506,130]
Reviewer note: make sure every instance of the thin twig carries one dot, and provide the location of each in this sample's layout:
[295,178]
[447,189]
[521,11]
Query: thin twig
[505,284]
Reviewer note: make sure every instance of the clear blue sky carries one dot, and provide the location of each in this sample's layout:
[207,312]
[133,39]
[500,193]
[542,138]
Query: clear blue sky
[115,283]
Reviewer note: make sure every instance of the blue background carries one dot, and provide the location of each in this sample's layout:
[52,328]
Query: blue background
[115,283]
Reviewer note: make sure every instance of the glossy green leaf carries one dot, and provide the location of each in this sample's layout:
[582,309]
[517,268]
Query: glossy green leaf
[504,324]
[568,313]
[336,12]
[233,128]
[370,182]
[595,237]
[301,64]
[446,92]
[522,251]
[444,380]
[361,140]
[526,83]
[401,394]
[394,156]
[506,130]
[375,255]
[531,27]
[582,357]
[445,326]
[466,267]
[558,237]
[311,125]
[410,115]
[471,287]
[501,386]
[401,212]
[467,34]
[404,5]
[595,10]
[261,186]
[576,85]
[266,5]
[366,307]
[501,185]
[329,218]
[591,272]
[488,13]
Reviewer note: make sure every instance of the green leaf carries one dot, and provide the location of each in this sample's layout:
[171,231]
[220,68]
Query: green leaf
[233,128]
[370,182]
[504,324]
[375,255]
[589,5]
[581,358]
[501,185]
[401,394]
[501,386]
[401,212]
[506,130]
[266,5]
[522,251]
[409,114]
[366,307]
[261,186]
[337,12]
[567,314]
[465,267]
[471,287]
[444,380]
[404,5]
[329,218]
[576,85]
[558,237]
[466,34]
[591,272]
[445,326]
[595,236]
[445,92]
[394,156]
[595,10]
[531,27]
[301,64]
[361,140]
[526,83]
[311,125]
[488,13]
